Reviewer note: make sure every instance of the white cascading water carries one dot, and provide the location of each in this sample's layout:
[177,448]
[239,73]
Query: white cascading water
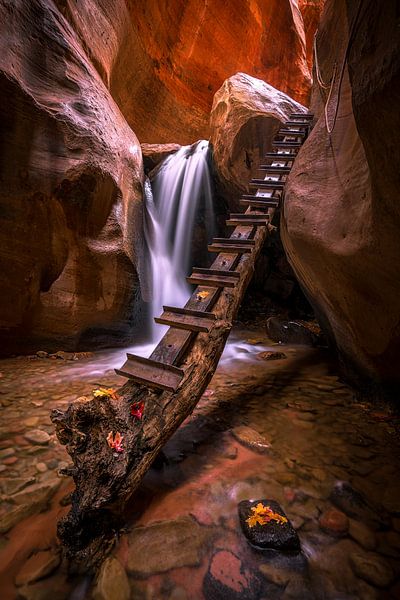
[172,203]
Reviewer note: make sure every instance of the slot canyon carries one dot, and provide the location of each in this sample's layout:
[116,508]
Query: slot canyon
[200,317]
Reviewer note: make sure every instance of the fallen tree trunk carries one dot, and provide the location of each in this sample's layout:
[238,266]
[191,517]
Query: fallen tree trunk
[105,479]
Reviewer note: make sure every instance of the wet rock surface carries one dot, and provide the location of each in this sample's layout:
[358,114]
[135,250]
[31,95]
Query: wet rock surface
[286,430]
[274,535]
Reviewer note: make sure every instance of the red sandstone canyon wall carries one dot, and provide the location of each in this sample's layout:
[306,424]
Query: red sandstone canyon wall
[341,225]
[164,61]
[70,194]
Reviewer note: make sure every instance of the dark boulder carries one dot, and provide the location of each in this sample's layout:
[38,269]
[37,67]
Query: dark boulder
[295,332]
[273,535]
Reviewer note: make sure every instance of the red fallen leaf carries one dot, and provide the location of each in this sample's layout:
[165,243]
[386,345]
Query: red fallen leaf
[137,410]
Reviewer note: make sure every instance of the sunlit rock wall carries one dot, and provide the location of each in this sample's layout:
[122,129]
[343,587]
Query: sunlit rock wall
[71,187]
[341,225]
[245,116]
[164,61]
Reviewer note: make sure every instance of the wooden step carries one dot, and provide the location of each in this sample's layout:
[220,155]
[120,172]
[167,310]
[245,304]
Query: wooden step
[272,169]
[231,245]
[185,318]
[257,201]
[235,274]
[151,372]
[264,183]
[307,116]
[247,219]
[213,280]
[297,124]
[280,156]
[277,144]
[289,132]
[265,198]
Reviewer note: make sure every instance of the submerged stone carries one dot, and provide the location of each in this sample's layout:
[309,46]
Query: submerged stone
[273,535]
[270,355]
[37,567]
[372,568]
[112,582]
[251,438]
[228,578]
[167,545]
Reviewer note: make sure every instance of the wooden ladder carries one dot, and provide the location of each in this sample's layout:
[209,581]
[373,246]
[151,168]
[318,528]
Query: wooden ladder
[161,370]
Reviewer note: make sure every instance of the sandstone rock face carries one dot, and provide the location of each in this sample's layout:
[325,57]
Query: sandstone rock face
[71,174]
[154,154]
[311,11]
[245,116]
[163,61]
[341,220]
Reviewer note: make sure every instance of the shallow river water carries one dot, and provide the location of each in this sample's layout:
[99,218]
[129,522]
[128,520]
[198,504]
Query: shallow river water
[287,430]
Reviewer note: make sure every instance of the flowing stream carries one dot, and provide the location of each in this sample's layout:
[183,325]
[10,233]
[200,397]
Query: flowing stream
[180,191]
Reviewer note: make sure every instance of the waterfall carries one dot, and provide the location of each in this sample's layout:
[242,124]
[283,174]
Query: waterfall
[180,189]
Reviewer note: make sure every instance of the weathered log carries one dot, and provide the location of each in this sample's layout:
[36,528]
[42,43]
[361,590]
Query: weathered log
[104,479]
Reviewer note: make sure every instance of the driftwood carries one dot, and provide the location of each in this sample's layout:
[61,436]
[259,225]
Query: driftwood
[104,479]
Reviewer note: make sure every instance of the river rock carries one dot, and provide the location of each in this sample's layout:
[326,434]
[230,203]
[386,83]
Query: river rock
[372,568]
[154,154]
[251,438]
[37,437]
[245,116]
[353,503]
[269,355]
[15,515]
[228,578]
[37,567]
[334,522]
[294,332]
[37,494]
[112,582]
[362,534]
[12,485]
[167,545]
[273,535]
[6,453]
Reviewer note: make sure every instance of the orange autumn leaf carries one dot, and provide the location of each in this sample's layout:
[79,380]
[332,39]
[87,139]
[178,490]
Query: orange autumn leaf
[105,393]
[202,295]
[263,515]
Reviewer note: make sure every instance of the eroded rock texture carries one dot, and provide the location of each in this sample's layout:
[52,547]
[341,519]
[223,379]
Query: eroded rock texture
[164,61]
[71,188]
[246,114]
[341,221]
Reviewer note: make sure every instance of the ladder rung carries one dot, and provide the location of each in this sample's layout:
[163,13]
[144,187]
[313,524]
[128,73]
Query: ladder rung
[288,132]
[297,124]
[216,272]
[234,241]
[264,183]
[196,320]
[272,169]
[254,222]
[257,201]
[230,248]
[190,311]
[266,198]
[278,144]
[151,373]
[281,156]
[308,116]
[220,281]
